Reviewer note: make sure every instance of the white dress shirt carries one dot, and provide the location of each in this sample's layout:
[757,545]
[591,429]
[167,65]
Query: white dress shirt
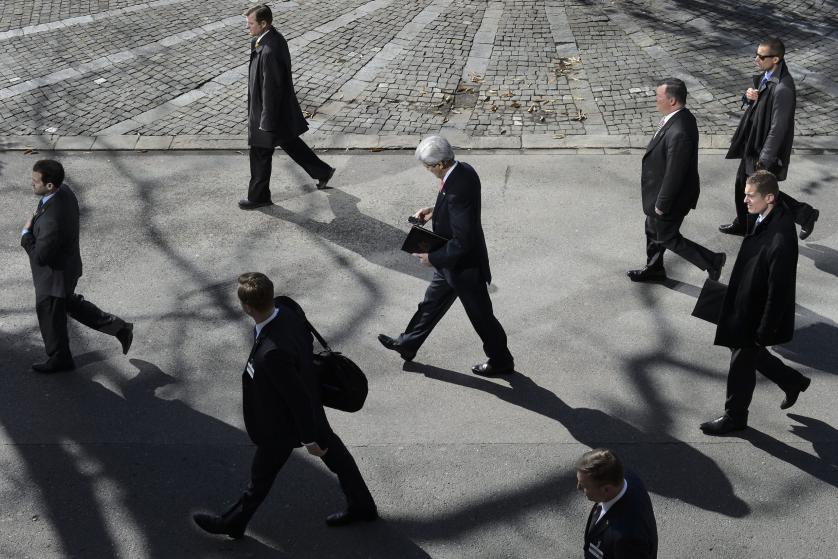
[608,504]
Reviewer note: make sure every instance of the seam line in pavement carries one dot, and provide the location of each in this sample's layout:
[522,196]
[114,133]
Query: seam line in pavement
[604,144]
[81,20]
[356,85]
[115,58]
[580,88]
[477,62]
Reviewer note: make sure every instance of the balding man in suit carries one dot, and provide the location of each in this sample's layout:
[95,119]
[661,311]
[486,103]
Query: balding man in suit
[670,187]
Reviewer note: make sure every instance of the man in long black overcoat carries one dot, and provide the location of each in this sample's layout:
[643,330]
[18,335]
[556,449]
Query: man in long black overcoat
[758,308]
[274,117]
[764,137]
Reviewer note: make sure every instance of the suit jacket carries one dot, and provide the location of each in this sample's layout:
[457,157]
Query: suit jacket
[628,530]
[669,176]
[759,303]
[273,113]
[457,217]
[766,130]
[281,400]
[53,246]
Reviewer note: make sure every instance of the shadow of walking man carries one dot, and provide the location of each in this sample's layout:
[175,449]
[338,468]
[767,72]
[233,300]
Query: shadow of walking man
[668,465]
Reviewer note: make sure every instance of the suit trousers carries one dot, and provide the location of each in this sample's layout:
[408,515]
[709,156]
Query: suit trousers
[469,286]
[260,166]
[663,232]
[52,320]
[741,379]
[268,461]
[801,211]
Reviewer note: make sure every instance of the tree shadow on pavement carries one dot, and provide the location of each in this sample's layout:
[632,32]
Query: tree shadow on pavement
[375,241]
[595,428]
[117,471]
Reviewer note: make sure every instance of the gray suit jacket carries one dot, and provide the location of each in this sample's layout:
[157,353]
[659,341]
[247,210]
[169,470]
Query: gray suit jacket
[53,246]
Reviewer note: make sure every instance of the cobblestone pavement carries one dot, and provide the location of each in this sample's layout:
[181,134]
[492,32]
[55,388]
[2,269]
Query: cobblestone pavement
[490,68]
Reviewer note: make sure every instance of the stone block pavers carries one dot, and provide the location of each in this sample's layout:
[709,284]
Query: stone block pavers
[555,68]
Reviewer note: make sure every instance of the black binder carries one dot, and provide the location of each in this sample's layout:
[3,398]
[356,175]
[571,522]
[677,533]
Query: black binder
[709,304]
[421,240]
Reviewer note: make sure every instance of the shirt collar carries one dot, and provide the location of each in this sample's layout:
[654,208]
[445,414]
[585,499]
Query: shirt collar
[445,178]
[670,115]
[767,75]
[45,199]
[261,325]
[259,38]
[608,504]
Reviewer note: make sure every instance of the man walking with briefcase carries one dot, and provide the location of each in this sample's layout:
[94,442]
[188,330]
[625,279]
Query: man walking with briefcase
[282,411]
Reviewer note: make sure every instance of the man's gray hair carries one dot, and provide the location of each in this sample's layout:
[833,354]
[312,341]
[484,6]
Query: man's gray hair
[433,150]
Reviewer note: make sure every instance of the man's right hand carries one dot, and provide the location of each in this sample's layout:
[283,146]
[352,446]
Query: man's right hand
[424,214]
[315,450]
[751,94]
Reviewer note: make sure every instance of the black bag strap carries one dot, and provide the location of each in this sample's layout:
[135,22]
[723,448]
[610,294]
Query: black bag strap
[289,302]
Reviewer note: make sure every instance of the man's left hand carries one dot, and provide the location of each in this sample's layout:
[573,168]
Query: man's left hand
[315,450]
[657,211]
[423,258]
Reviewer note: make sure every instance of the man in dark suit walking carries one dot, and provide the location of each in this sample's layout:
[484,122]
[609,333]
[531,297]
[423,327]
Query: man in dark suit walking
[621,524]
[765,134]
[282,411]
[670,187]
[758,307]
[461,265]
[274,117]
[51,239]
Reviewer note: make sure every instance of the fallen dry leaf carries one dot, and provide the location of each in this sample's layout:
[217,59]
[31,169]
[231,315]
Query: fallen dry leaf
[516,105]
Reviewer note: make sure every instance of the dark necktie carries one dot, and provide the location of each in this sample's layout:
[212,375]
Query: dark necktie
[594,517]
[762,82]
[40,205]
[253,44]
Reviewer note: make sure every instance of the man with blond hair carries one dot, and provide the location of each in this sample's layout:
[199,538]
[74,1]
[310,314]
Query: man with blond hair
[282,411]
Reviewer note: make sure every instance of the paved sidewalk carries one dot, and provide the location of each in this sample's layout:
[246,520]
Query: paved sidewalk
[381,73]
[112,459]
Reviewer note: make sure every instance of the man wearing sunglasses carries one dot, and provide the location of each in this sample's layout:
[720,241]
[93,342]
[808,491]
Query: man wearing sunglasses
[765,134]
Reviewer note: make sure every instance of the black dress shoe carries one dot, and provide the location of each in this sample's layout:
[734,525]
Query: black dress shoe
[126,336]
[250,205]
[791,395]
[647,274]
[488,369]
[50,366]
[723,425]
[734,228]
[216,525]
[345,517]
[394,345]
[325,180]
[807,228]
[715,272]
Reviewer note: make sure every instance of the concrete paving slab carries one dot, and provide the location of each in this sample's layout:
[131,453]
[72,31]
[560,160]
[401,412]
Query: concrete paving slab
[126,448]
